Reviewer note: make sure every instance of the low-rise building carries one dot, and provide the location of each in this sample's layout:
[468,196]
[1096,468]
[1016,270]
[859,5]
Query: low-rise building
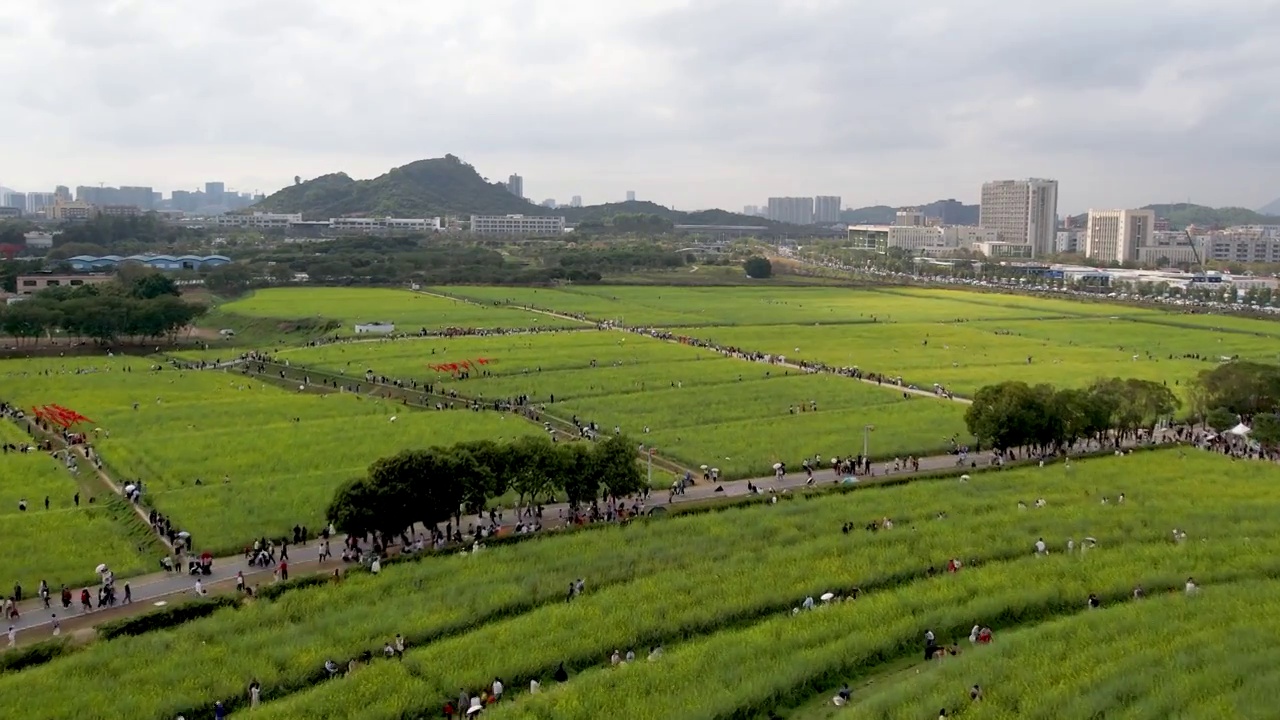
[517,225]
[63,209]
[1242,247]
[998,249]
[257,220]
[32,284]
[119,210]
[39,240]
[159,262]
[384,225]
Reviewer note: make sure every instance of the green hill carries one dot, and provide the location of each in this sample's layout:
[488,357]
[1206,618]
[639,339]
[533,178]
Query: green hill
[1180,215]
[426,188]
[449,186]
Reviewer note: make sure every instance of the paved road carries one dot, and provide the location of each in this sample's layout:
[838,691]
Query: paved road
[161,586]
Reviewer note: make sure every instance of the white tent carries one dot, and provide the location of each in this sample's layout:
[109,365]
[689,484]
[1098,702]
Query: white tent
[1240,430]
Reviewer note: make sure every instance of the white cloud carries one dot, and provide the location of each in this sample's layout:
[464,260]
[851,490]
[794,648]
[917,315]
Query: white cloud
[692,103]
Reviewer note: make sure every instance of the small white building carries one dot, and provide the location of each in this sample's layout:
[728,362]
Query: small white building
[375,328]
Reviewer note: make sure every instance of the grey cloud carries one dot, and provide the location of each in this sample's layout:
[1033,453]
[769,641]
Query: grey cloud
[806,88]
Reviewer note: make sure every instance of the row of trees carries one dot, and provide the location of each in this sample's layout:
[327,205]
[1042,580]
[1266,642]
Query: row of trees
[434,485]
[142,306]
[1014,414]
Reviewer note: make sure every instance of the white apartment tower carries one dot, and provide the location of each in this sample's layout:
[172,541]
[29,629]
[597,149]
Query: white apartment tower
[826,209]
[1116,235]
[1023,212]
[515,185]
[793,210]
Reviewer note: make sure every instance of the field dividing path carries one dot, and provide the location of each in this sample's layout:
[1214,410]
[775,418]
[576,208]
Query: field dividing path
[646,333]
[304,559]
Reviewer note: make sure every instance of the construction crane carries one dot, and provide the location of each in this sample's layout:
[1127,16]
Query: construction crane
[1195,252]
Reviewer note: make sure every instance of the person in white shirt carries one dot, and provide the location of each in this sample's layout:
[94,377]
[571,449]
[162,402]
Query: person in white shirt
[1040,547]
[199,587]
[973,634]
[534,687]
[497,689]
[808,603]
[928,637]
[1192,588]
[13,636]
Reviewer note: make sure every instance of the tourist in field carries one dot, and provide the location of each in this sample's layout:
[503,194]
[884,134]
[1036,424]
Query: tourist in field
[975,693]
[1191,586]
[497,689]
[973,634]
[561,675]
[1094,602]
[1041,549]
[616,658]
[255,693]
[984,636]
[534,687]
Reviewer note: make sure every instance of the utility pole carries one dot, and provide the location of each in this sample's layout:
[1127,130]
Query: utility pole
[866,440]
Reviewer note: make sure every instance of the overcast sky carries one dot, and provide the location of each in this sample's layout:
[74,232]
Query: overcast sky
[691,103]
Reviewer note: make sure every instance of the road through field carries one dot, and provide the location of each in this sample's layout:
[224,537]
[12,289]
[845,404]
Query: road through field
[35,622]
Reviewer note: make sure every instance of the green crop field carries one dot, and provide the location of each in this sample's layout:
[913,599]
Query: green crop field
[409,311]
[266,459]
[700,407]
[61,545]
[721,593]
[966,356]
[695,306]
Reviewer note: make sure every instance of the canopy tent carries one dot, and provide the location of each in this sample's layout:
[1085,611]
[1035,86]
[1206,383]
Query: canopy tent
[1240,430]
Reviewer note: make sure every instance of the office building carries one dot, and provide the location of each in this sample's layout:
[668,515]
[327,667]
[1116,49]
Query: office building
[826,209]
[549,203]
[517,225]
[62,192]
[576,201]
[793,210]
[515,185]
[909,217]
[69,210]
[631,196]
[118,210]
[1116,235]
[1069,240]
[926,239]
[1240,245]
[1023,212]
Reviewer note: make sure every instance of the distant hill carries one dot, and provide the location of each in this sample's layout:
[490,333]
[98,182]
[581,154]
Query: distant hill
[952,212]
[1180,215]
[449,186]
[1272,208]
[426,188]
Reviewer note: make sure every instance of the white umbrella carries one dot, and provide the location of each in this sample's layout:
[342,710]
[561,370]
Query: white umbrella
[849,480]
[703,467]
[101,568]
[828,597]
[777,466]
[964,478]
[715,470]
[184,534]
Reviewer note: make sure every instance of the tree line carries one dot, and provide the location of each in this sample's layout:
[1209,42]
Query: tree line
[1014,414]
[142,305]
[438,484]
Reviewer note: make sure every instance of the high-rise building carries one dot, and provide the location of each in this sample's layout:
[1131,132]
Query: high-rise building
[38,201]
[1023,212]
[62,192]
[515,185]
[549,203]
[137,196]
[15,200]
[793,210]
[631,196]
[1116,235]
[213,192]
[826,209]
[576,201]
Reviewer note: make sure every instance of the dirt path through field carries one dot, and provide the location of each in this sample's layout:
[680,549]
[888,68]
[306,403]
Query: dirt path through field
[551,313]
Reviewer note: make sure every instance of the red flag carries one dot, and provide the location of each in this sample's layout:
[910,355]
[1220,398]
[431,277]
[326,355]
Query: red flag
[453,367]
[483,361]
[466,364]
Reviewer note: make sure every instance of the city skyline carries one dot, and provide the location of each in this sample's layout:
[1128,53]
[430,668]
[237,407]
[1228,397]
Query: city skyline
[662,96]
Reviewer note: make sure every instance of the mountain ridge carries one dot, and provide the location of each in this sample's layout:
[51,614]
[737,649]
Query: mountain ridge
[448,186]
